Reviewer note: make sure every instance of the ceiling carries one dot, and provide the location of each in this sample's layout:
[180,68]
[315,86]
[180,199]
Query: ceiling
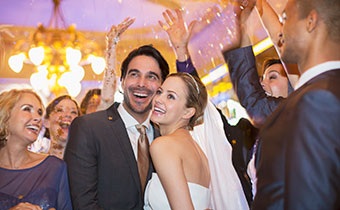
[95,18]
[96,15]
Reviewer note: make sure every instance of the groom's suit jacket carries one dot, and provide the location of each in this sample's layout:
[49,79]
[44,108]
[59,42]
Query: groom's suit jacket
[102,167]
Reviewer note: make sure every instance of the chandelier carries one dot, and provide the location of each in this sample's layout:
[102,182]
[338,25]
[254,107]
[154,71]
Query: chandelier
[58,54]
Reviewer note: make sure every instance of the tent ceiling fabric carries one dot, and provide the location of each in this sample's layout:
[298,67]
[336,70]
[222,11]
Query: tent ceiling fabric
[95,17]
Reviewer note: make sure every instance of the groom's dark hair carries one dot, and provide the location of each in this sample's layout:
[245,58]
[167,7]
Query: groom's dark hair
[147,50]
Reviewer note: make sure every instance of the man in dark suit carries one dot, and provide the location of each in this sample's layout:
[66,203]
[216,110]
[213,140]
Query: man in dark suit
[101,154]
[299,161]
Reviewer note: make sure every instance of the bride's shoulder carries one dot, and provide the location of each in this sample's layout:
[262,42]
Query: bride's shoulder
[165,145]
[162,141]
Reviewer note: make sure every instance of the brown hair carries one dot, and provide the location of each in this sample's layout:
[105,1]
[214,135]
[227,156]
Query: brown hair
[51,106]
[197,97]
[85,102]
[269,62]
[328,10]
[8,99]
[147,50]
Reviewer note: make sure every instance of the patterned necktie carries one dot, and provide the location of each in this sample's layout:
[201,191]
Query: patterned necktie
[143,156]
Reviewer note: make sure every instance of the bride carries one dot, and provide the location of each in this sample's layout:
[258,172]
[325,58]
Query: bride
[183,177]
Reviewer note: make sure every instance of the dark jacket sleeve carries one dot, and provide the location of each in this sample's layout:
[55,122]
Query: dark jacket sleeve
[243,74]
[80,156]
[186,66]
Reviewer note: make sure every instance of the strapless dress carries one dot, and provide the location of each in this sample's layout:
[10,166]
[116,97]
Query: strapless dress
[155,197]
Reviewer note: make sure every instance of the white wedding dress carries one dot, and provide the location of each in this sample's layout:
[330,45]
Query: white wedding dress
[225,192]
[155,197]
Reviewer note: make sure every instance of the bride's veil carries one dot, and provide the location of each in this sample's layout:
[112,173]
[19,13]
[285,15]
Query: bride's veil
[226,189]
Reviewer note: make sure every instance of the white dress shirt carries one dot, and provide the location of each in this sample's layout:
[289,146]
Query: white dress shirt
[316,70]
[130,125]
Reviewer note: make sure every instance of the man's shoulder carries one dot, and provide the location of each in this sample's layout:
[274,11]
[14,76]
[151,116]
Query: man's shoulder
[98,118]
[323,85]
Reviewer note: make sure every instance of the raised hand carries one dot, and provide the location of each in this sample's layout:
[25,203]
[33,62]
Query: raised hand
[109,80]
[4,29]
[178,32]
[115,31]
[247,7]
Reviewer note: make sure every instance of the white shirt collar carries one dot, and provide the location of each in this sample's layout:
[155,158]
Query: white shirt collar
[315,71]
[128,120]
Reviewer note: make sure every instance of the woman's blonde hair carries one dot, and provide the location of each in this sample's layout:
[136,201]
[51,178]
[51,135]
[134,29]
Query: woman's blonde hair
[8,99]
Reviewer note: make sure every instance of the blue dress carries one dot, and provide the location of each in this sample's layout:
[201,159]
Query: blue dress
[45,184]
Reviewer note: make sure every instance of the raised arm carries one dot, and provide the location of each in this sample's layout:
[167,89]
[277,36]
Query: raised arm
[179,35]
[109,80]
[270,20]
[178,32]
[243,74]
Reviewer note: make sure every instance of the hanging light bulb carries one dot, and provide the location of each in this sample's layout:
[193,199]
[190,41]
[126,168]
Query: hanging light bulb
[98,65]
[65,78]
[36,55]
[38,81]
[90,58]
[16,62]
[43,69]
[52,81]
[73,56]
[73,88]
[78,72]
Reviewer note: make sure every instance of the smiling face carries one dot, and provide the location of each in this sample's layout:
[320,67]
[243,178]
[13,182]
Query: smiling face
[274,82]
[142,79]
[169,104]
[25,119]
[60,119]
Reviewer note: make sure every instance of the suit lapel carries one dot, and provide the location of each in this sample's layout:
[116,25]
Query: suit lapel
[120,134]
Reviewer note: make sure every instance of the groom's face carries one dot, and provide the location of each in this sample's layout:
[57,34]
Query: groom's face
[140,84]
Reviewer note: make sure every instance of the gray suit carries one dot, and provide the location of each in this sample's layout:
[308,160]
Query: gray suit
[102,168]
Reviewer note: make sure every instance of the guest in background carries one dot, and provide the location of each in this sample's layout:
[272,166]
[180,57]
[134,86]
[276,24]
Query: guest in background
[91,101]
[298,160]
[59,115]
[28,180]
[274,79]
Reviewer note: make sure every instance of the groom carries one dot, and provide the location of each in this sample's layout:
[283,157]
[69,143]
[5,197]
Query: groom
[101,154]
